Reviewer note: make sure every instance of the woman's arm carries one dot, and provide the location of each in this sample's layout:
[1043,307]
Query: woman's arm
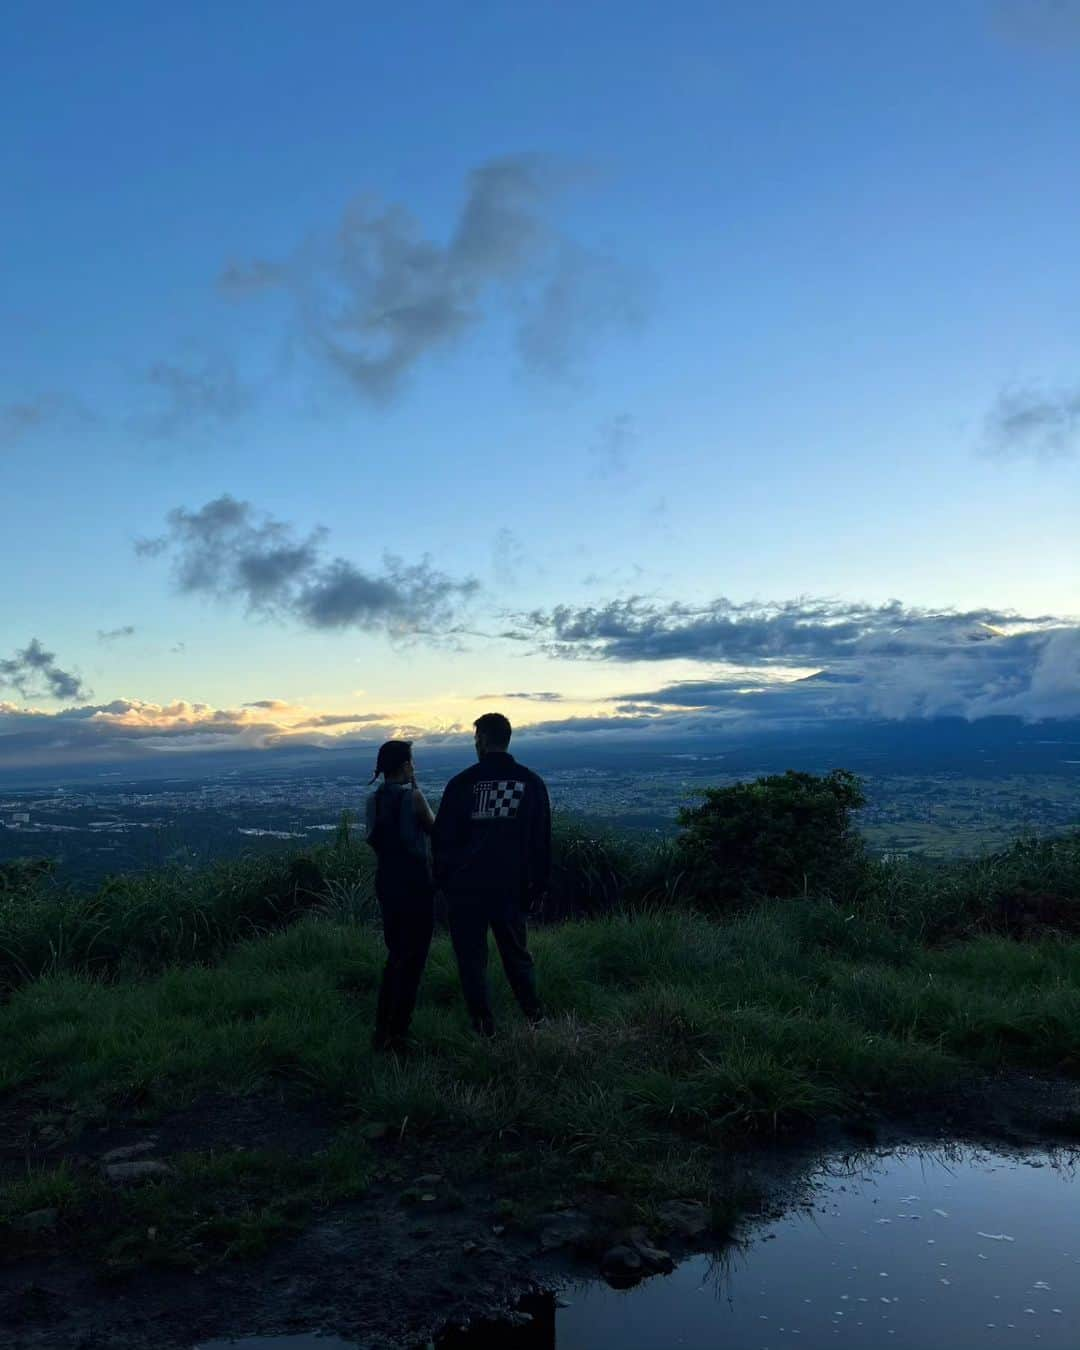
[422,811]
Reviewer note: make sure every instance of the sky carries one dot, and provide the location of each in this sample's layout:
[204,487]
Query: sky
[624,367]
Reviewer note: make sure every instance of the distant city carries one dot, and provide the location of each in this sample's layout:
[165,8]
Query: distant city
[936,789]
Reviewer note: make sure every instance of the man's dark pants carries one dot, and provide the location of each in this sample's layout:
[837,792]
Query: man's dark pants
[470,917]
[408,915]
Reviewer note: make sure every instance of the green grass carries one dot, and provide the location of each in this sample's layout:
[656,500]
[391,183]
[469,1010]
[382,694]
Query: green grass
[215,1206]
[141,924]
[670,1034]
[675,1029]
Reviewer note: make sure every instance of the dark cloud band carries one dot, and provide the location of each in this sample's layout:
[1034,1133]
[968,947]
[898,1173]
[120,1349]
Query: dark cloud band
[227,550]
[788,632]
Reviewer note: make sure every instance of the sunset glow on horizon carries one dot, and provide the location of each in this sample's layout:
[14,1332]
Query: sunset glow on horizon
[734,382]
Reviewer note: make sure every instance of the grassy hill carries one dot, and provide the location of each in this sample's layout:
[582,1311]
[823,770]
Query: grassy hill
[677,1029]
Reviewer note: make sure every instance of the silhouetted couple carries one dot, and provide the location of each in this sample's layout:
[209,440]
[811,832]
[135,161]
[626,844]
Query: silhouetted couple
[490,844]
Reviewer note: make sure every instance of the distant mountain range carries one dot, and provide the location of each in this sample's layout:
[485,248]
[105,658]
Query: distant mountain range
[990,747]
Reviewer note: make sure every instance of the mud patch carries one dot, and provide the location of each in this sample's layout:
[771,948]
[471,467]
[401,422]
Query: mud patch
[33,1134]
[416,1257]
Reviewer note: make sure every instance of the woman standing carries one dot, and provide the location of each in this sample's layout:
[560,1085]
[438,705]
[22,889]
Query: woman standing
[399,823]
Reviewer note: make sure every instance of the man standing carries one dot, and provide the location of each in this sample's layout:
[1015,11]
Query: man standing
[492,844]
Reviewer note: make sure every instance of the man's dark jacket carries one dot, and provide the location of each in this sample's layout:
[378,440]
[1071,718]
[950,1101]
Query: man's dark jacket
[493,832]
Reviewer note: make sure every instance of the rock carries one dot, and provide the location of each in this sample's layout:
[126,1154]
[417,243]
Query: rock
[622,1264]
[126,1173]
[429,1198]
[116,1155]
[655,1257]
[498,1229]
[688,1218]
[568,1229]
[37,1221]
[428,1180]
[468,1248]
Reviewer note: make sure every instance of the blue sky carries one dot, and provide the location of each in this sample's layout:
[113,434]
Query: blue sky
[687,320]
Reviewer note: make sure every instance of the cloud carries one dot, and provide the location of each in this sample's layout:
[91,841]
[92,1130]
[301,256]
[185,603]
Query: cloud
[377,297]
[786,632]
[1042,424]
[115,634]
[812,658]
[1052,25]
[33,672]
[1032,674]
[611,451]
[544,696]
[128,729]
[20,420]
[508,556]
[617,724]
[341,720]
[721,691]
[203,393]
[225,549]
[588,294]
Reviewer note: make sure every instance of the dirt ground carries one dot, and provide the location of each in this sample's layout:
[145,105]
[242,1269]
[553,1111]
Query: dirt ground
[385,1274]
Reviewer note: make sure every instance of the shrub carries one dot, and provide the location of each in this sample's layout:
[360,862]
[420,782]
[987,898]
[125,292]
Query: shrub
[25,874]
[783,835]
[592,871]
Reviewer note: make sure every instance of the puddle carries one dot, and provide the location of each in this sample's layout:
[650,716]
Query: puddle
[956,1248]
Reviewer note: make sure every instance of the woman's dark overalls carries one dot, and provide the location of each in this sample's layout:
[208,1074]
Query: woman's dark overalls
[405,893]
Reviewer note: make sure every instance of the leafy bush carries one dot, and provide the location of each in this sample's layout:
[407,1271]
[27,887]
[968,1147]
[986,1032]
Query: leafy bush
[783,835]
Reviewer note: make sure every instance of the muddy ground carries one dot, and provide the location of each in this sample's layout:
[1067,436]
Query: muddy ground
[384,1273]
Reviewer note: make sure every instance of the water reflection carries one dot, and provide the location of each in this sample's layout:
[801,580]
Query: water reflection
[536,1330]
[953,1248]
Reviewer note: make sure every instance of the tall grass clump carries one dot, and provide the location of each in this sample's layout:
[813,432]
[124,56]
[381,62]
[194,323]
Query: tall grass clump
[1032,883]
[146,921]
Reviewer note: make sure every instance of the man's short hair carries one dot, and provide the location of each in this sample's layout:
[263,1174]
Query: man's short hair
[495,729]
